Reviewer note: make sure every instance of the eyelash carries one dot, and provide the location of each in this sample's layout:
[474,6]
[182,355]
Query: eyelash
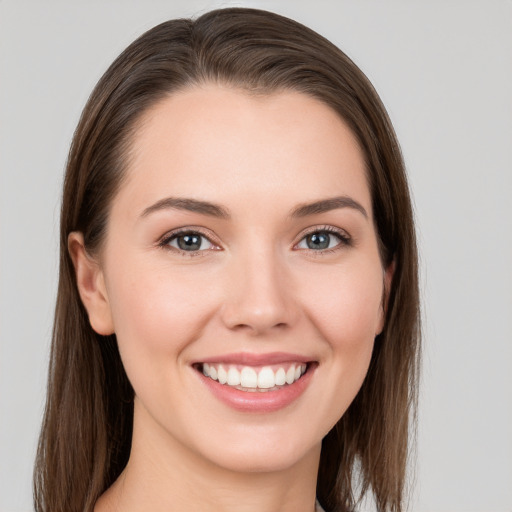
[344,240]
[169,237]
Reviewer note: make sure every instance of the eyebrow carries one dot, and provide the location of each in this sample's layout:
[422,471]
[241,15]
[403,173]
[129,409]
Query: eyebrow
[215,210]
[191,205]
[326,205]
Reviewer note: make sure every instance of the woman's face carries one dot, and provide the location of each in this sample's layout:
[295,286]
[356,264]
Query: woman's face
[242,246]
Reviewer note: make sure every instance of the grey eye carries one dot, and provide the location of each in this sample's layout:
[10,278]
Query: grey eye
[190,242]
[319,240]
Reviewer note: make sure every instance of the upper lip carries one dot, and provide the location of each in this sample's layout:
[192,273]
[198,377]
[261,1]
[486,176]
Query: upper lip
[251,359]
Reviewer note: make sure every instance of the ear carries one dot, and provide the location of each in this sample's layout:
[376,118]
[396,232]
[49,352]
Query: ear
[389,272]
[91,285]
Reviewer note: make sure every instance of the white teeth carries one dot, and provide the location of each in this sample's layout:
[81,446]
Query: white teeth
[280,377]
[222,375]
[252,380]
[248,378]
[266,378]
[233,377]
[290,375]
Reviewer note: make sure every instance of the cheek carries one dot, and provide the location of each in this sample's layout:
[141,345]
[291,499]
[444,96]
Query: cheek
[348,311]
[347,315]
[156,313]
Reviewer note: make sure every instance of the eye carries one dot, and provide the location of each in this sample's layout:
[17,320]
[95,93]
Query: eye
[323,239]
[188,241]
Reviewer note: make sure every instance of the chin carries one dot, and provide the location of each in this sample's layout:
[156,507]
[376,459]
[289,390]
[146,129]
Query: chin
[253,459]
[260,448]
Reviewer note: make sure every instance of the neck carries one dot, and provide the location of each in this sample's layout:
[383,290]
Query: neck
[163,475]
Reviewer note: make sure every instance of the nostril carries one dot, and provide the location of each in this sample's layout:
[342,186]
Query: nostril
[258,327]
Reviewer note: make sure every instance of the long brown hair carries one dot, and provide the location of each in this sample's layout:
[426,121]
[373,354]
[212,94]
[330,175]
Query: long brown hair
[87,427]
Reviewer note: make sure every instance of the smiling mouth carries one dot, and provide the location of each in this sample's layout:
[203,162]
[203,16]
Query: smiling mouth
[254,379]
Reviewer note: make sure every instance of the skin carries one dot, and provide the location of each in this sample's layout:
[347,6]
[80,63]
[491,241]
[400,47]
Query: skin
[256,286]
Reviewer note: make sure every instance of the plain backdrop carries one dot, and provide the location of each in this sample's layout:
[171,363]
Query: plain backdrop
[444,71]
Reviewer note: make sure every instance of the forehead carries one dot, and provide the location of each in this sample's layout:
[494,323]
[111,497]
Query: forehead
[221,142]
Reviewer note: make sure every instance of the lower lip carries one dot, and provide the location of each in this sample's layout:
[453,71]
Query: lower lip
[258,401]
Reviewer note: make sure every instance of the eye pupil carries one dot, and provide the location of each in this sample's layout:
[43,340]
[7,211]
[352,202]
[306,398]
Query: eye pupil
[189,242]
[318,241]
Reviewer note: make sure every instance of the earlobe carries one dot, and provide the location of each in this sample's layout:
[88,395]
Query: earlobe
[91,285]
[387,281]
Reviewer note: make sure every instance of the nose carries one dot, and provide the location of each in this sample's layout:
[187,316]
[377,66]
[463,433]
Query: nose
[259,295]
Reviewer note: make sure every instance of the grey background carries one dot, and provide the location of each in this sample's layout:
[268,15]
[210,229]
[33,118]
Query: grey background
[443,69]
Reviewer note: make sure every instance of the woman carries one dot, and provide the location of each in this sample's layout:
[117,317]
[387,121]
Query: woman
[237,316]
